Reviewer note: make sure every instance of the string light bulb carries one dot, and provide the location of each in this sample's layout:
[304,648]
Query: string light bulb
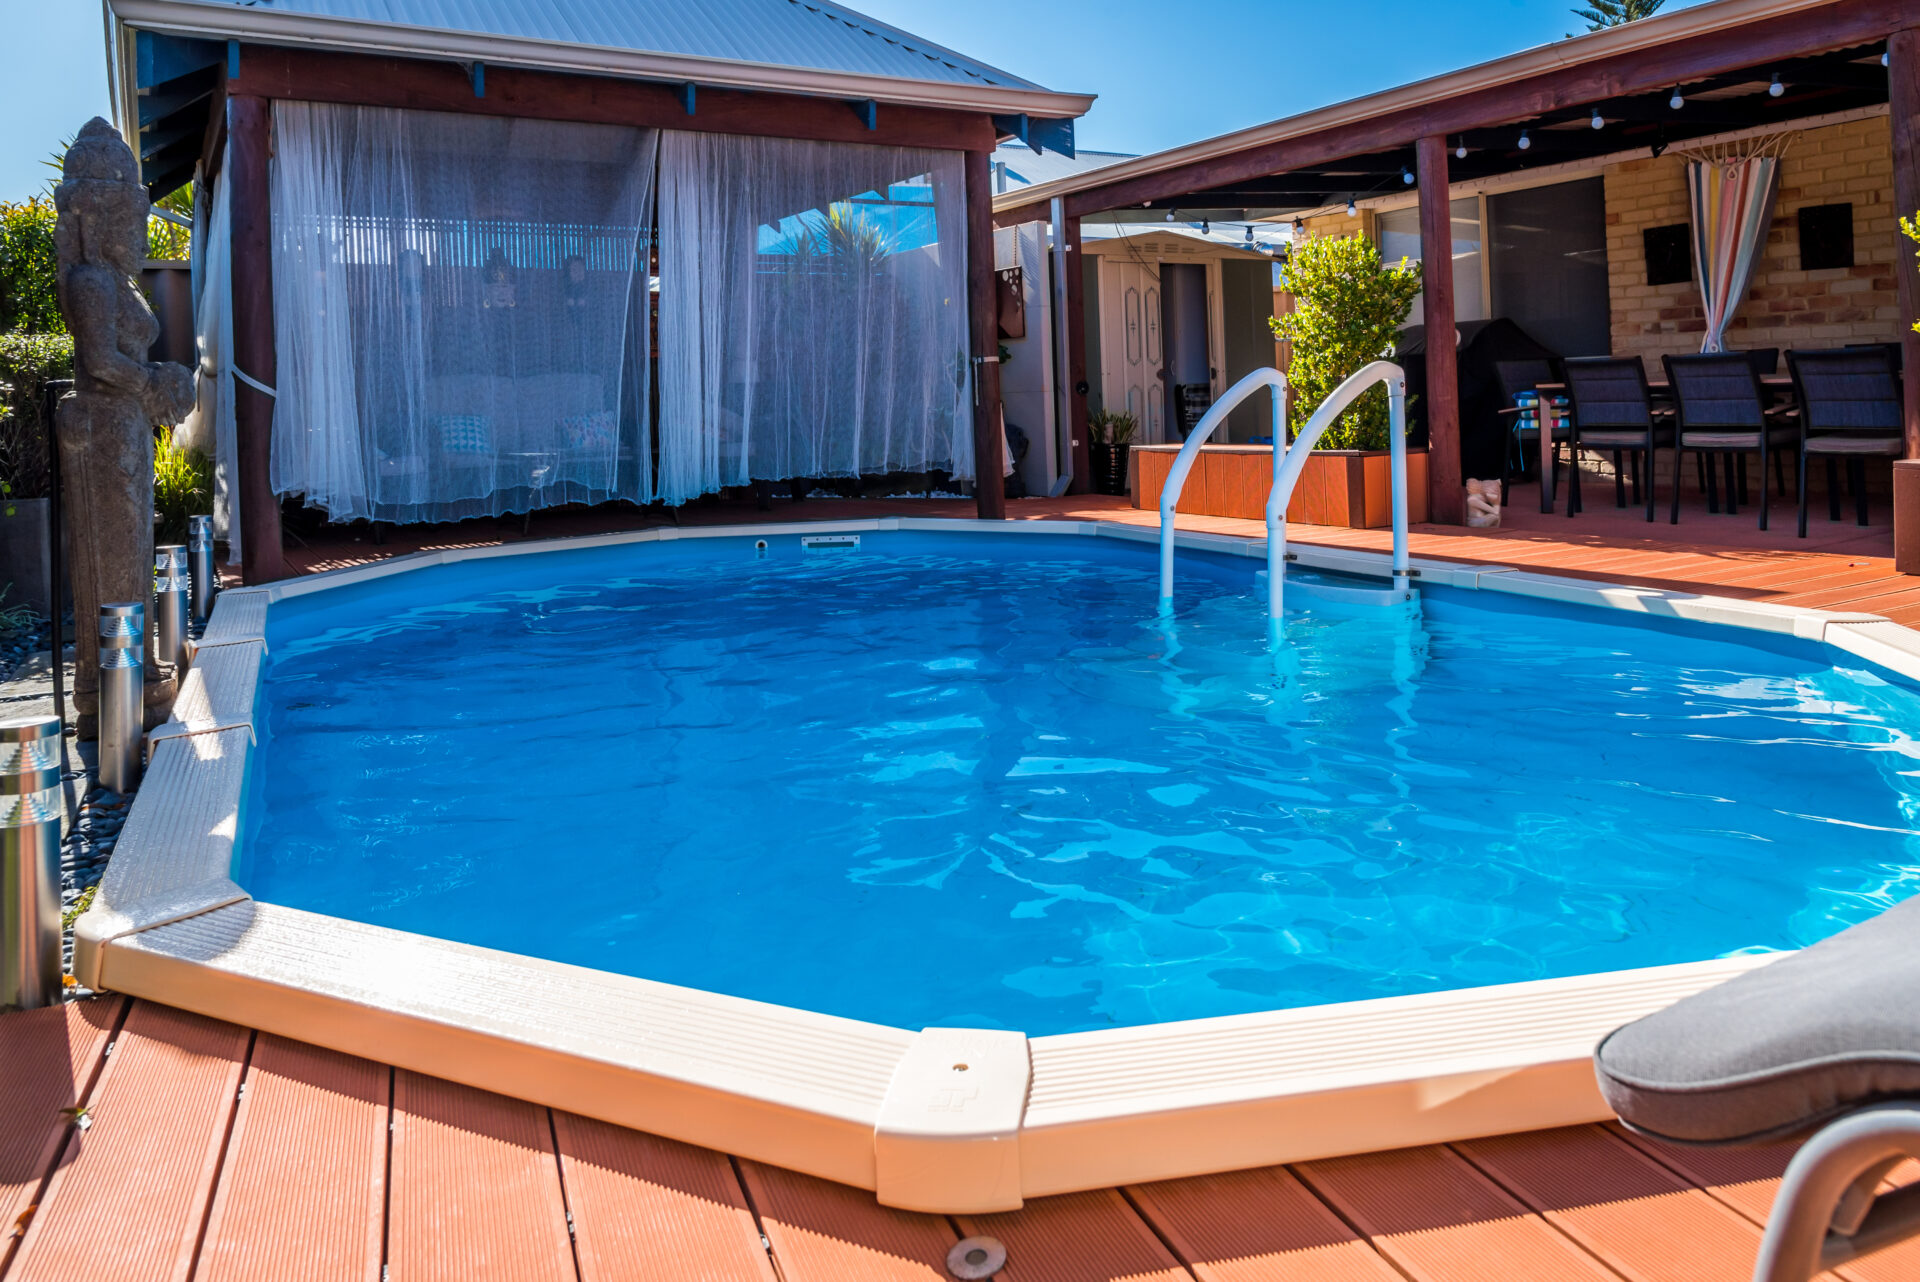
[1353,210]
[1460,152]
[1406,175]
[1774,87]
[1677,101]
[1206,228]
[1169,215]
[1599,121]
[1300,226]
[1525,141]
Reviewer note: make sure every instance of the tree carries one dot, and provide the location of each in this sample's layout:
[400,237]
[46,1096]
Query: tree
[1348,307]
[1613,13]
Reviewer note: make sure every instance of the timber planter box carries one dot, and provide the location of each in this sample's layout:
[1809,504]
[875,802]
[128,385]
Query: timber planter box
[1339,487]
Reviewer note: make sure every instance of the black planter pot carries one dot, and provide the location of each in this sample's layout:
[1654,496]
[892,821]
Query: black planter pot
[1110,468]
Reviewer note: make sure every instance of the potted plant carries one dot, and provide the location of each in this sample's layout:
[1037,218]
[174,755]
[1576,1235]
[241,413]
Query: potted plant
[1348,309]
[1110,440]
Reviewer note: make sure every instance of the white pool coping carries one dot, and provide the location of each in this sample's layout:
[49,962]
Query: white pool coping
[880,1108]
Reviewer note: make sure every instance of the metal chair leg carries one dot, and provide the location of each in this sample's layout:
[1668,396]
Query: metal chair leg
[1573,478]
[1679,456]
[1746,495]
[1733,489]
[1765,494]
[1713,485]
[1648,458]
[1857,482]
[1826,1214]
[1619,480]
[1803,490]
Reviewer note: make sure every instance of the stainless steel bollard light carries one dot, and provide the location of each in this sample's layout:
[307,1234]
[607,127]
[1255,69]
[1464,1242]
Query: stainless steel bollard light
[206,576]
[30,811]
[170,589]
[123,674]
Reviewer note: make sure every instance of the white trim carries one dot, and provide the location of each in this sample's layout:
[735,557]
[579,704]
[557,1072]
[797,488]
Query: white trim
[861,1103]
[206,20]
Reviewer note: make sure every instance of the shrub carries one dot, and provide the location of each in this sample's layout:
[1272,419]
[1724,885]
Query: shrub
[27,267]
[1348,308]
[182,486]
[27,361]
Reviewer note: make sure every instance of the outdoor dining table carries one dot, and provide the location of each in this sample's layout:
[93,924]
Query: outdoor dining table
[1778,386]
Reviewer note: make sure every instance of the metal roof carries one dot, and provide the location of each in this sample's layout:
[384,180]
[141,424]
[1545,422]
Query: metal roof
[804,46]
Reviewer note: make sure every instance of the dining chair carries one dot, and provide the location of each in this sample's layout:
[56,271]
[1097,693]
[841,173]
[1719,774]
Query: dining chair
[1722,411]
[1614,410]
[1850,408]
[1518,381]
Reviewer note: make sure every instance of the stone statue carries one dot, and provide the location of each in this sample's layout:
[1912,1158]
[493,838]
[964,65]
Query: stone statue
[106,424]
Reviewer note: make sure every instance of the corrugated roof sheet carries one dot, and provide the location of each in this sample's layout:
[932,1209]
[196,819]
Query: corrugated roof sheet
[784,33]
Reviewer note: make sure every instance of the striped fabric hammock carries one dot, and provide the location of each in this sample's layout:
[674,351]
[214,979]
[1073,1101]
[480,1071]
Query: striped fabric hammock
[1731,188]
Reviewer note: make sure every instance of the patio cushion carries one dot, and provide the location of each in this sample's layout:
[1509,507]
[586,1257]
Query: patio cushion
[1778,1050]
[1737,439]
[1873,446]
[1615,437]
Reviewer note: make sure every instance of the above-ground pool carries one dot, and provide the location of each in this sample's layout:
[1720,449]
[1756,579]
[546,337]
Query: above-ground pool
[964,780]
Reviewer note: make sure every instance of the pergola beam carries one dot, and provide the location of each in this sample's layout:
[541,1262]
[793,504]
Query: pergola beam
[1735,52]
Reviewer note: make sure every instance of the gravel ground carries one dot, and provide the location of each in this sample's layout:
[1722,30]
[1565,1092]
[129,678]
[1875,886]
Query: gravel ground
[94,815]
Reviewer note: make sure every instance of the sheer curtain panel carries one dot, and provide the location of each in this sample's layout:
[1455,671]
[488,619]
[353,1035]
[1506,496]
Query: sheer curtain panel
[813,312]
[459,307]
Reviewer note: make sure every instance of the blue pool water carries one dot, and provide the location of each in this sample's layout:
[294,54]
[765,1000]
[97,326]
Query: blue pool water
[972,780]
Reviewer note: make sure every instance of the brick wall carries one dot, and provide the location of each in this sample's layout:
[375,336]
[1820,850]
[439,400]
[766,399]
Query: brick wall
[1785,307]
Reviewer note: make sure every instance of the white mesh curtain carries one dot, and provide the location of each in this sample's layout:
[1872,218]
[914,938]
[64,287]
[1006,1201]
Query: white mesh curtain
[209,426]
[813,312]
[459,307]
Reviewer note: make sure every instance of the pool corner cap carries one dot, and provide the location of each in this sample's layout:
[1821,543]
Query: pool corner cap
[948,1137]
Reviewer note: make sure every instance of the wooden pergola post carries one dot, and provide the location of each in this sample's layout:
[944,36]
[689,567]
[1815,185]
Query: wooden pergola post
[250,135]
[1903,99]
[989,450]
[1076,361]
[1446,500]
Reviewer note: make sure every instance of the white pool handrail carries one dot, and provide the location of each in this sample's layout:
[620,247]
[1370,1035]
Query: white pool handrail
[1286,473]
[1288,463]
[1183,462]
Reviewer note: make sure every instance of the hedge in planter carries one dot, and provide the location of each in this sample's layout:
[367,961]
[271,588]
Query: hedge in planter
[1348,309]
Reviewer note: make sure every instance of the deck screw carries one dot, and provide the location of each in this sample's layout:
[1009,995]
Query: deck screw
[976,1257]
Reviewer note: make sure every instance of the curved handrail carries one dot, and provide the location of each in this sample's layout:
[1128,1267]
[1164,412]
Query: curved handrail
[1183,462]
[1289,461]
[1286,474]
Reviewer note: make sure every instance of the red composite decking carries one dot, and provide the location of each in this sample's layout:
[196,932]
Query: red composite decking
[1839,566]
[215,1152]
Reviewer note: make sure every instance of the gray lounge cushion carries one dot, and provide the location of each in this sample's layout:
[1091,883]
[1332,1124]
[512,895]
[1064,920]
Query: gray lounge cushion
[1781,1049]
[1738,438]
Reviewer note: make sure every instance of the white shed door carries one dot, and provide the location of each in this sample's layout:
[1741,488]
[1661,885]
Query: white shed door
[1131,353]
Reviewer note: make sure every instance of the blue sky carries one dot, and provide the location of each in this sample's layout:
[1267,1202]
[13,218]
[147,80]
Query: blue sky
[1166,73]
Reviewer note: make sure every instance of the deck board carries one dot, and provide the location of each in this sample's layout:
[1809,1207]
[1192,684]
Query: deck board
[1638,1216]
[647,1209]
[1257,1226]
[288,1184]
[129,1198]
[1437,1218]
[476,1188]
[302,1193]
[1078,1237]
[1747,1179]
[824,1232]
[50,1060]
